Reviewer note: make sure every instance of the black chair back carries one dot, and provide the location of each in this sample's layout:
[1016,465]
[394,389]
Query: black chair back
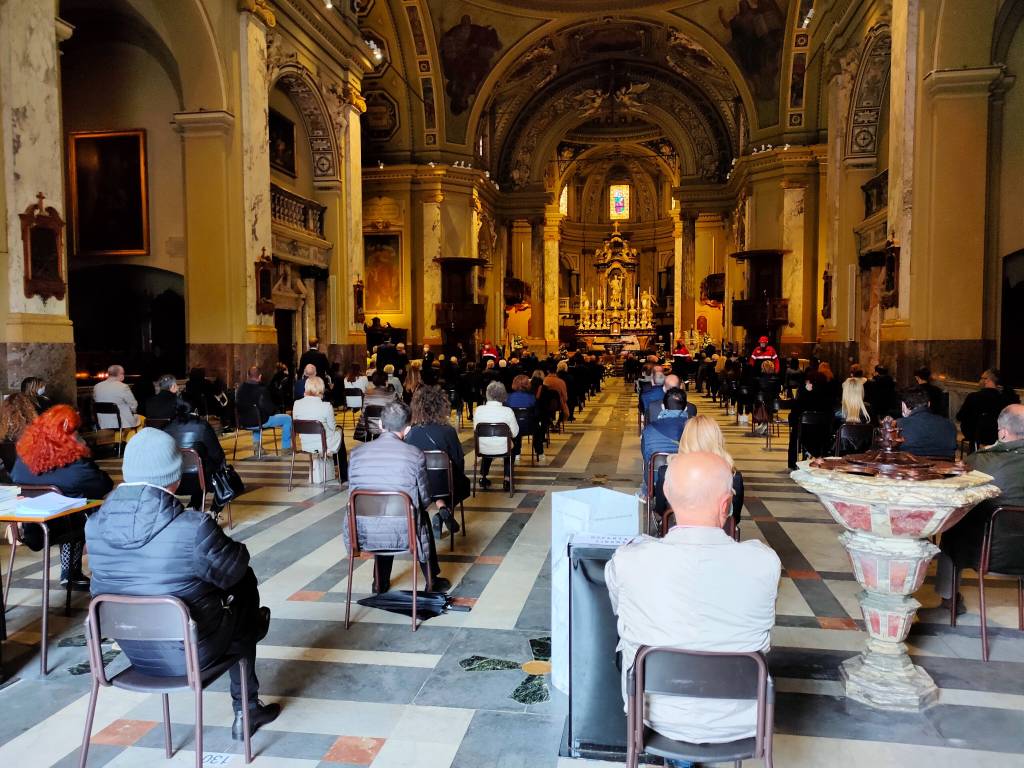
[853,438]
[372,414]
[439,475]
[248,417]
[354,397]
[525,418]
[492,430]
[193,476]
[814,432]
[1005,551]
[656,485]
[312,428]
[107,409]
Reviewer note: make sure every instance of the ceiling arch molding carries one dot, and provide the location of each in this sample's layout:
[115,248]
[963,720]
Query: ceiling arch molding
[594,153]
[870,91]
[301,86]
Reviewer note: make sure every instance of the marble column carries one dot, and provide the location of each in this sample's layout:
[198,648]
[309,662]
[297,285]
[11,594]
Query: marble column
[350,147]
[432,242]
[903,81]
[522,248]
[552,238]
[331,195]
[793,263]
[37,337]
[686,257]
[678,279]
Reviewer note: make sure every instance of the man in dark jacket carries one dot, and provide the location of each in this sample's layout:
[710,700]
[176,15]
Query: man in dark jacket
[662,434]
[390,464]
[880,394]
[937,400]
[978,414]
[143,542]
[164,404]
[193,432]
[253,394]
[924,433]
[314,356]
[1004,461]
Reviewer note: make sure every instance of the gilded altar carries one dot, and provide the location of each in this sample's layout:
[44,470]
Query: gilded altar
[620,306]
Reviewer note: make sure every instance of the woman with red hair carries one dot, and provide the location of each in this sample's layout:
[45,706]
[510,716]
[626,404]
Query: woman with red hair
[51,452]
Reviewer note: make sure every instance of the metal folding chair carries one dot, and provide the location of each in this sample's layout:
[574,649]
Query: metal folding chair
[354,398]
[252,423]
[700,675]
[382,504]
[658,460]
[495,430]
[111,409]
[313,428]
[442,484]
[155,619]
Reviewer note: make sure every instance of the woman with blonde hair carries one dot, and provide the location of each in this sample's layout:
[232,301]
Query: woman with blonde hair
[852,409]
[702,434]
[413,380]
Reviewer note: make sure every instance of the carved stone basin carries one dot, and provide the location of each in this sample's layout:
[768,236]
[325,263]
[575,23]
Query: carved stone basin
[888,520]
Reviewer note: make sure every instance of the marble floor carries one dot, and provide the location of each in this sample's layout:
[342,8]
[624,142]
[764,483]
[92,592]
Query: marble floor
[468,689]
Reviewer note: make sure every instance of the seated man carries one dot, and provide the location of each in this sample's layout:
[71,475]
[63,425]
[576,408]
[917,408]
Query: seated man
[390,464]
[253,394]
[1004,461]
[924,433]
[113,390]
[698,590]
[143,542]
[662,435]
[655,392]
[299,388]
[164,404]
[494,411]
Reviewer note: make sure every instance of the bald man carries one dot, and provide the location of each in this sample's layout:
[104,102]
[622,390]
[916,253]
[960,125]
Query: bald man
[1004,461]
[695,589]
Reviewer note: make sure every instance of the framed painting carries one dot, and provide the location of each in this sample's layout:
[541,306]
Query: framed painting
[383,288]
[282,142]
[108,186]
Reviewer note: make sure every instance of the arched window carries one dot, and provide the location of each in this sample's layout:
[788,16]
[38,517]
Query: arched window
[618,202]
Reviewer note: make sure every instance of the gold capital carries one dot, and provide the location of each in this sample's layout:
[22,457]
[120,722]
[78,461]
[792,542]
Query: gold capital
[260,9]
[353,97]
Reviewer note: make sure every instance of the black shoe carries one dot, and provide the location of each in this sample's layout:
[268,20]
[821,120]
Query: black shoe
[264,623]
[259,716]
[505,486]
[961,609]
[449,519]
[440,584]
[376,588]
[79,583]
[436,520]
[485,483]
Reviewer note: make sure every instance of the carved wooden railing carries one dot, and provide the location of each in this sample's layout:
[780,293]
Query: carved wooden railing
[296,211]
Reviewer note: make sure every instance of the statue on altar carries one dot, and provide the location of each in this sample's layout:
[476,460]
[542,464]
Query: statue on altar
[615,283]
[600,314]
[631,315]
[646,303]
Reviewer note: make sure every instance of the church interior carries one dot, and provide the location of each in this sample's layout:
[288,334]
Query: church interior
[195,188]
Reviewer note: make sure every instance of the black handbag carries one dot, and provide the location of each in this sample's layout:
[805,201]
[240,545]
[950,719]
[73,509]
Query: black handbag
[227,486]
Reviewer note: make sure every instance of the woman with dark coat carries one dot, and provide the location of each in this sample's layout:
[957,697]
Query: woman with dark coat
[50,452]
[431,431]
[190,431]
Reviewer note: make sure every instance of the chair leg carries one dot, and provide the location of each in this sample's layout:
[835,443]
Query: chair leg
[167,725]
[475,459]
[199,728]
[243,672]
[984,618]
[90,713]
[348,587]
[511,475]
[12,532]
[67,599]
[234,450]
[1020,602]
[955,579]
[415,584]
[231,523]
[291,471]
[462,508]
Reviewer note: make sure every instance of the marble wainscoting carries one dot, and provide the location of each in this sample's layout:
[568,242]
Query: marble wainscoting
[953,358]
[838,354]
[232,360]
[347,354]
[54,362]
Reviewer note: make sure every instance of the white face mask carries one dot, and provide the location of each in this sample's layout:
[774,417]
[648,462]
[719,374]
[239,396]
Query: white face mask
[41,391]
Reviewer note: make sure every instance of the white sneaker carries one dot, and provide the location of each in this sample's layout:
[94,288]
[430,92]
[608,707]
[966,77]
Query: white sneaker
[744,418]
[517,459]
[541,459]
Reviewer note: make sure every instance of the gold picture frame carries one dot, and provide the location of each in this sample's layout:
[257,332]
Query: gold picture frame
[108,190]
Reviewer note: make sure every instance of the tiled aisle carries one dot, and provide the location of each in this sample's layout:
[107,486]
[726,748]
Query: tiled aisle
[468,690]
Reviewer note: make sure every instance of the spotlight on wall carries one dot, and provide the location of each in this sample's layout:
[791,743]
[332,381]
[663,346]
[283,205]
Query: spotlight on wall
[328,4]
[380,164]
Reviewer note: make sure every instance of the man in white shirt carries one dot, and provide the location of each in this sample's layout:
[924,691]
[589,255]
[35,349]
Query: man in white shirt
[696,589]
[114,390]
[494,411]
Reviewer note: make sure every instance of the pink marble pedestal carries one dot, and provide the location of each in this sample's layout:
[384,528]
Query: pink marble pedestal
[888,523]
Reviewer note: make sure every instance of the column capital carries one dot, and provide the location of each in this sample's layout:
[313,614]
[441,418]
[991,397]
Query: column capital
[215,122]
[961,82]
[260,9]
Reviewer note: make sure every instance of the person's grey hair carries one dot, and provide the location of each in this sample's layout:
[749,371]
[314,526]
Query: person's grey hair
[1012,420]
[395,416]
[659,379]
[115,370]
[496,391]
[165,382]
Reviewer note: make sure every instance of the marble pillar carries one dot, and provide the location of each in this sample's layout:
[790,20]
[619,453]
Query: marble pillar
[254,92]
[37,337]
[794,280]
[350,146]
[522,248]
[840,89]
[338,291]
[678,278]
[432,242]
[903,80]
[552,237]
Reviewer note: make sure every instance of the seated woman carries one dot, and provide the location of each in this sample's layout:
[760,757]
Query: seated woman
[379,393]
[413,380]
[51,452]
[35,389]
[521,397]
[431,431]
[313,408]
[191,431]
[703,434]
[16,413]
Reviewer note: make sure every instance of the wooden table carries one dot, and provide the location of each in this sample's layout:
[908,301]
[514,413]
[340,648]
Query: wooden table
[43,522]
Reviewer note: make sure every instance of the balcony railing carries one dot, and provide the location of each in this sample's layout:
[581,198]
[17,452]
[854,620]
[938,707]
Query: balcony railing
[296,211]
[460,317]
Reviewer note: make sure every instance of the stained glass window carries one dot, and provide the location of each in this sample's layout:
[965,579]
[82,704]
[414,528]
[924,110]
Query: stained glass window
[618,199]
[563,201]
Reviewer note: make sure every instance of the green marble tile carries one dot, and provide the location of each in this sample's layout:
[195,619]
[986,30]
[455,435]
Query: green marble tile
[533,690]
[541,648]
[484,664]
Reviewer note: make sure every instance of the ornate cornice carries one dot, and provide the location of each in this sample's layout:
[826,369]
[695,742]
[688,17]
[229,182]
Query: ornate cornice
[204,122]
[260,9]
[350,95]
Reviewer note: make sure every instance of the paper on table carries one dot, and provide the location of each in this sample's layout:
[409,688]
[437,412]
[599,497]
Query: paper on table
[48,504]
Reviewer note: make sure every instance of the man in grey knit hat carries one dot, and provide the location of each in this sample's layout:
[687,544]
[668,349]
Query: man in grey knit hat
[143,542]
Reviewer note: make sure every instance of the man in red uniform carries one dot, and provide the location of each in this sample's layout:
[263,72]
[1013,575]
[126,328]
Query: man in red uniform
[681,361]
[488,351]
[764,351]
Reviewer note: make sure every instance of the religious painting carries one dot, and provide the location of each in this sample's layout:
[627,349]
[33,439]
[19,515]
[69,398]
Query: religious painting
[618,202]
[42,234]
[757,29]
[796,82]
[282,143]
[467,50]
[108,185]
[383,289]
[429,108]
[418,39]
